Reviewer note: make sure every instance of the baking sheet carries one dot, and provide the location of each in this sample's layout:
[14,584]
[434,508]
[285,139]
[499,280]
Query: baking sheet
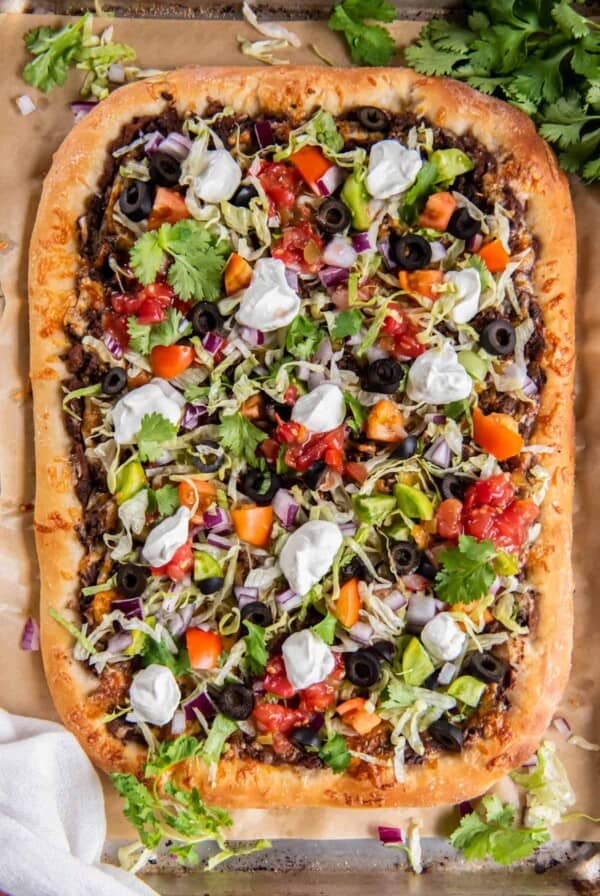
[26,146]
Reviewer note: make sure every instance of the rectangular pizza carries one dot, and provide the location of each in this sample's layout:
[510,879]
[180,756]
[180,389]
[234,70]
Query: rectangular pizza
[302,356]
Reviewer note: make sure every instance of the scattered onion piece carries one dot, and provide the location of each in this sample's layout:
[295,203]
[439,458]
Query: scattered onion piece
[25,104]
[30,639]
[270,29]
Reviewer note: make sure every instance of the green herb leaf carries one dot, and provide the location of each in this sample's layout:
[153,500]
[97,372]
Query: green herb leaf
[325,629]
[167,499]
[334,753]
[144,337]
[494,835]
[369,44]
[303,337]
[241,437]
[54,50]
[358,411]
[146,257]
[220,730]
[170,752]
[467,571]
[256,651]
[346,323]
[154,433]
[414,199]
[155,651]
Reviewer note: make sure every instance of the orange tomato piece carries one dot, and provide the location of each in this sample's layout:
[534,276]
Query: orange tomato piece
[354,713]
[448,518]
[253,524]
[497,434]
[203,647]
[385,422]
[495,256]
[421,282]
[438,210]
[356,471]
[238,274]
[348,604]
[169,207]
[311,163]
[170,360]
[350,705]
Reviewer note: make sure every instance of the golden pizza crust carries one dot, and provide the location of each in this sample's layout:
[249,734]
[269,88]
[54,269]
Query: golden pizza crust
[532,169]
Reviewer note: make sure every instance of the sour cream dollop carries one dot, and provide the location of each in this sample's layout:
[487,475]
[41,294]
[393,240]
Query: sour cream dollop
[219,178]
[392,169]
[269,302]
[443,638]
[437,377]
[468,288]
[322,409]
[156,397]
[308,554]
[307,659]
[154,695]
[166,538]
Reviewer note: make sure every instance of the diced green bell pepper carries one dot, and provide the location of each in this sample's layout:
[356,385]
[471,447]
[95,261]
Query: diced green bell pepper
[416,664]
[354,195]
[474,364]
[130,479]
[373,508]
[413,502]
[450,163]
[205,566]
[467,689]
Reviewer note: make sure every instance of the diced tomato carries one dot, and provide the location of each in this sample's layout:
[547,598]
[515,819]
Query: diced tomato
[203,647]
[300,248]
[269,449]
[290,396]
[312,165]
[415,582]
[169,206]
[438,210]
[399,334]
[180,564]
[291,432]
[170,360]
[495,256]
[302,456]
[513,524]
[123,304]
[448,518]
[497,491]
[333,457]
[356,471]
[116,325]
[490,511]
[253,524]
[323,695]
[151,312]
[160,292]
[422,283]
[275,680]
[498,434]
[277,718]
[281,183]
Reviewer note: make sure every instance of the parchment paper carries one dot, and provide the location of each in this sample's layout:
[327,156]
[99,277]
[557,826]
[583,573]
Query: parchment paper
[26,147]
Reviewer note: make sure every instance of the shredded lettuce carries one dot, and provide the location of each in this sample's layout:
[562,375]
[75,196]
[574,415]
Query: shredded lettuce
[549,793]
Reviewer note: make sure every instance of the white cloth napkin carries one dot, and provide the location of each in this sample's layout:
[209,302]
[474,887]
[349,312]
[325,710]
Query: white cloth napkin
[52,821]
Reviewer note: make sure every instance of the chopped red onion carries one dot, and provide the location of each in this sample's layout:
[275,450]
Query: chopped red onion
[332,277]
[390,835]
[218,520]
[529,388]
[495,586]
[395,600]
[264,133]
[218,541]
[212,343]
[561,724]
[438,251]
[81,109]
[252,336]
[203,703]
[288,600]
[435,418]
[245,595]
[439,605]
[414,582]
[132,607]
[421,609]
[361,632]
[474,243]
[30,639]
[186,614]
[465,808]
[330,181]
[119,643]
[324,353]
[439,454]
[113,345]
[292,278]
[176,145]
[447,673]
[361,242]
[116,73]
[285,507]
[178,722]
[386,253]
[348,528]
[191,416]
[153,143]
[339,253]
[26,105]
[317,722]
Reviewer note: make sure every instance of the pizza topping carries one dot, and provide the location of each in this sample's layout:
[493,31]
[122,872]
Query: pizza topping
[443,637]
[466,286]
[437,377]
[269,303]
[166,538]
[308,554]
[307,659]
[321,410]
[218,178]
[392,169]
[156,397]
[154,695]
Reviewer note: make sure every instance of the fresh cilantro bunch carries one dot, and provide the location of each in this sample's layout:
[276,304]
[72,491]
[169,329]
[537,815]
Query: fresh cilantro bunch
[492,833]
[467,571]
[540,55]
[154,433]
[334,753]
[198,259]
[303,338]
[369,44]
[241,437]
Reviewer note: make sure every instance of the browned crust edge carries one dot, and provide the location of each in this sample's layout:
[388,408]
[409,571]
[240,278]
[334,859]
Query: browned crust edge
[53,261]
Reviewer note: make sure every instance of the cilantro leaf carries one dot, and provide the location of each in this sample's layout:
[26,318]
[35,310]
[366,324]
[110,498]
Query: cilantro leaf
[240,436]
[144,337]
[426,57]
[570,21]
[346,323]
[494,835]
[167,499]
[303,337]
[325,629]
[146,257]
[154,433]
[369,44]
[140,808]
[256,651]
[53,49]
[170,752]
[467,572]
[220,730]
[334,753]
[414,199]
[381,10]
[156,652]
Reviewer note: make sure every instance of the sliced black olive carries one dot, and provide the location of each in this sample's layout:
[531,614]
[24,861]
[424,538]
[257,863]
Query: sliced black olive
[486,666]
[260,486]
[453,486]
[306,738]
[205,318]
[354,569]
[313,475]
[164,169]
[235,701]
[114,381]
[243,195]
[384,649]
[448,736]
[131,580]
[406,448]
[406,556]
[257,613]
[372,119]
[136,200]
[211,585]
[384,376]
[209,456]
[462,225]
[333,216]
[426,568]
[498,337]
[362,668]
[411,252]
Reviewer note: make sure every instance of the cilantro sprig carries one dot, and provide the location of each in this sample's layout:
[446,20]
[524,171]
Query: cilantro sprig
[467,571]
[144,337]
[334,753]
[369,44]
[198,258]
[240,436]
[303,338]
[543,58]
[154,433]
[492,833]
